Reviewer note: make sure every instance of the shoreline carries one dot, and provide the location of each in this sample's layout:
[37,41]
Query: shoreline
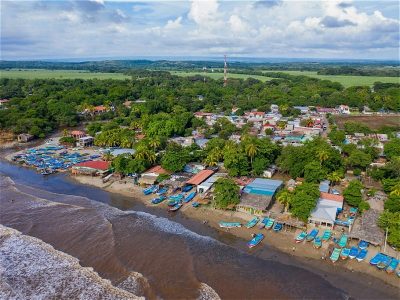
[282,241]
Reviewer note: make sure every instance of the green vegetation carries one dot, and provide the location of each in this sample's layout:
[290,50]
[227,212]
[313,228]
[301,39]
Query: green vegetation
[175,158]
[390,221]
[219,75]
[226,193]
[58,74]
[353,195]
[303,201]
[392,148]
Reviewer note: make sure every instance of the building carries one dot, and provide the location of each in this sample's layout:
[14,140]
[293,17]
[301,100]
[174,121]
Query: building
[150,176]
[344,109]
[269,172]
[93,167]
[205,186]
[3,102]
[258,195]
[324,186]
[326,210]
[200,177]
[77,134]
[24,137]
[85,141]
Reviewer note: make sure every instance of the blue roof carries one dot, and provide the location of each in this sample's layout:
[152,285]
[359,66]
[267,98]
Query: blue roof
[324,186]
[261,186]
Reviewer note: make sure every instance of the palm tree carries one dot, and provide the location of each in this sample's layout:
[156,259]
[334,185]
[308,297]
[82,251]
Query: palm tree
[396,190]
[334,177]
[285,197]
[108,156]
[211,160]
[154,143]
[323,155]
[251,151]
[65,132]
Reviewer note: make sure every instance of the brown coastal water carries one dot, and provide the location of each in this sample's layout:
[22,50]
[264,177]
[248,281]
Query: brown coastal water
[116,238]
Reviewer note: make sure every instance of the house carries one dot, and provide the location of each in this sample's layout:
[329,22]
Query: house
[193,168]
[85,141]
[327,207]
[77,134]
[200,177]
[205,186]
[269,172]
[24,137]
[150,176]
[324,186]
[274,108]
[344,109]
[92,167]
[121,151]
[201,142]
[258,195]
[3,102]
[303,109]
[291,184]
[183,141]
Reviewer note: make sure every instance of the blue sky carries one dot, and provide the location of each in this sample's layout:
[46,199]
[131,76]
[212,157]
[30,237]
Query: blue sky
[275,28]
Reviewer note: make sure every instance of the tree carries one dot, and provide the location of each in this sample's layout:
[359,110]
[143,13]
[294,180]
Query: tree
[392,203]
[359,159]
[323,155]
[235,161]
[226,193]
[390,221]
[392,148]
[335,177]
[353,195]
[304,200]
[285,197]
[175,158]
[251,150]
[313,172]
[337,137]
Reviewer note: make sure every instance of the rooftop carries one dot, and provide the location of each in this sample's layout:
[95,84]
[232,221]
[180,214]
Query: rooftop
[94,164]
[200,177]
[157,170]
[331,197]
[260,202]
[366,228]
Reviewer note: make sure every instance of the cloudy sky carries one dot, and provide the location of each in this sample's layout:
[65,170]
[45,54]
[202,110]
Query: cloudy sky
[275,28]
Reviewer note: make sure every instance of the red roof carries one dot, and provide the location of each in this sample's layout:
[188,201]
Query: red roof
[200,177]
[157,170]
[332,197]
[100,108]
[95,164]
[77,132]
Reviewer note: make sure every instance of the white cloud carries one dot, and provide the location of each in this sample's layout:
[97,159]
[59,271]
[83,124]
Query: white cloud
[173,24]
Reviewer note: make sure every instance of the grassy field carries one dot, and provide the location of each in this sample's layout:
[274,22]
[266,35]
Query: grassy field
[346,80]
[58,74]
[372,121]
[220,75]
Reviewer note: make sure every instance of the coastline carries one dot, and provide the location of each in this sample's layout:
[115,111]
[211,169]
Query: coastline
[282,241]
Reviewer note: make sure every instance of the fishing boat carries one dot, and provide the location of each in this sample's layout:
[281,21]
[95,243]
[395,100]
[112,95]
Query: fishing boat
[229,224]
[384,263]
[173,202]
[377,259]
[363,244]
[175,207]
[257,238]
[362,255]
[190,197]
[392,266]
[158,200]
[195,204]
[278,227]
[301,236]
[263,223]
[317,243]
[46,172]
[162,191]
[252,222]
[270,223]
[176,197]
[187,188]
[345,253]
[327,235]
[312,235]
[149,190]
[342,241]
[335,255]
[353,252]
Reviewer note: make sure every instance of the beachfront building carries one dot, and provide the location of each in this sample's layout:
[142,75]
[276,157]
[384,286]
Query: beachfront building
[205,186]
[258,195]
[85,141]
[150,176]
[200,177]
[93,167]
[24,137]
[77,134]
[366,228]
[326,210]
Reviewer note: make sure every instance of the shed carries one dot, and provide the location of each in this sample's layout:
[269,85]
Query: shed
[366,228]
[206,185]
[200,177]
[91,167]
[24,137]
[323,215]
[85,141]
[324,186]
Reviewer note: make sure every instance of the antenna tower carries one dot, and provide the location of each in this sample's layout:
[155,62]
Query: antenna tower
[225,71]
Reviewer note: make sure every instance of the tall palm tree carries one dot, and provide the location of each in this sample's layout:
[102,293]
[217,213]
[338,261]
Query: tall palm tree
[334,177]
[108,156]
[251,150]
[154,143]
[323,155]
[285,197]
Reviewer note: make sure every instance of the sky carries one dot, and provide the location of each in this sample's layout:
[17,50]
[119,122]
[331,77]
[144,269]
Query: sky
[341,29]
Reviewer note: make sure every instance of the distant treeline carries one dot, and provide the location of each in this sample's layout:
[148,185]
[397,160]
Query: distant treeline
[388,72]
[335,68]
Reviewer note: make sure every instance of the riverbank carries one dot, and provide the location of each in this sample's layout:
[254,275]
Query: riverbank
[283,241]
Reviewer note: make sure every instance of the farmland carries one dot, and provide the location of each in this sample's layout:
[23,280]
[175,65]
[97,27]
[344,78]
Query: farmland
[372,121]
[58,74]
[345,80]
[218,75]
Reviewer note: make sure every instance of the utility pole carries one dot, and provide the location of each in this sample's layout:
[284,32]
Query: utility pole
[386,235]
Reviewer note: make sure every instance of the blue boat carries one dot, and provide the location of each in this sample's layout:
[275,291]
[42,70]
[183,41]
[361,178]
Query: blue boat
[175,207]
[302,235]
[257,238]
[173,202]
[149,190]
[263,223]
[384,263]
[317,242]
[162,191]
[195,204]
[312,235]
[343,241]
[252,223]
[229,224]
[176,197]
[278,227]
[363,244]
[377,259]
[362,255]
[344,253]
[270,223]
[158,200]
[187,188]
[353,252]
[190,197]
[392,266]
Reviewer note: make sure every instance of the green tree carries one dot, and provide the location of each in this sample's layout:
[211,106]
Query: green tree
[304,200]
[390,221]
[235,161]
[335,177]
[359,159]
[175,158]
[392,203]
[313,172]
[392,148]
[353,195]
[226,193]
[285,197]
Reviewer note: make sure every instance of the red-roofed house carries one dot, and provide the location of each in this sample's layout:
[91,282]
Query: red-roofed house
[150,176]
[77,134]
[327,207]
[200,177]
[91,167]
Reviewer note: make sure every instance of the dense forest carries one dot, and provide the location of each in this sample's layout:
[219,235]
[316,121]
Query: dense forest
[40,106]
[391,72]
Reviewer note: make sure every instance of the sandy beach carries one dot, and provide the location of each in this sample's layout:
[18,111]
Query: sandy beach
[283,241]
